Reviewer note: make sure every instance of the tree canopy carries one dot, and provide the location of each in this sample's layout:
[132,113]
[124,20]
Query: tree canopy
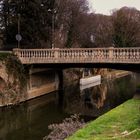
[126,27]
[66,23]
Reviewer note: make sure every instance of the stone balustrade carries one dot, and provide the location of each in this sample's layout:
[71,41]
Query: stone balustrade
[79,55]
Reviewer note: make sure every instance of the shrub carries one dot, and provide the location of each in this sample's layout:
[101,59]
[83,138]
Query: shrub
[64,129]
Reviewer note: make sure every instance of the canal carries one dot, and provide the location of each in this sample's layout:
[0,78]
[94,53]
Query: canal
[30,120]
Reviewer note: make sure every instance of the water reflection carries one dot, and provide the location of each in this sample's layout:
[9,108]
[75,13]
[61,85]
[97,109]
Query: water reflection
[30,120]
[97,97]
[94,101]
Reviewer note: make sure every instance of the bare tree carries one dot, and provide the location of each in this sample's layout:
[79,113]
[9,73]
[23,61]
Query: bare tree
[126,24]
[103,31]
[68,19]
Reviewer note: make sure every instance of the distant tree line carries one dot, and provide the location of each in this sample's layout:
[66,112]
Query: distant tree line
[66,23]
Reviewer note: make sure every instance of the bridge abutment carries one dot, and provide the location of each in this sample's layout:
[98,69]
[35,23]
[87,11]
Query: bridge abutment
[41,82]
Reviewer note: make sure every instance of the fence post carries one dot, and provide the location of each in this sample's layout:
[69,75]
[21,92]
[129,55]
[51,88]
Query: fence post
[111,53]
[16,51]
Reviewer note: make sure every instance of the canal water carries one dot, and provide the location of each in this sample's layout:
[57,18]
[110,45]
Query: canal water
[30,120]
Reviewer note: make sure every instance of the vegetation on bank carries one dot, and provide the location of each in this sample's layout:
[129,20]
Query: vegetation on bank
[121,123]
[3,56]
[65,129]
[17,78]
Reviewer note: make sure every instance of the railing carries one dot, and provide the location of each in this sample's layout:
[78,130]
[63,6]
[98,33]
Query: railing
[79,55]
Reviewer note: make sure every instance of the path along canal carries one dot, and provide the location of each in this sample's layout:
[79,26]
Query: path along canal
[30,120]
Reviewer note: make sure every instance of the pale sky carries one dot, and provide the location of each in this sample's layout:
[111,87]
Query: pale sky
[105,6]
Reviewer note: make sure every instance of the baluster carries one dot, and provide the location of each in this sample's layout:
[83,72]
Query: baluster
[78,54]
[54,54]
[38,54]
[33,54]
[26,54]
[45,53]
[48,54]
[73,55]
[107,54]
[127,54]
[130,54]
[102,54]
[51,53]
[66,54]
[69,54]
[82,55]
[22,53]
[123,54]
[137,54]
[29,54]
[134,54]
[116,54]
[93,54]
[126,57]
[63,55]
[41,54]
[120,55]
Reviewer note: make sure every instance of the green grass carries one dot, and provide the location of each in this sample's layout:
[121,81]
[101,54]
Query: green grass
[124,118]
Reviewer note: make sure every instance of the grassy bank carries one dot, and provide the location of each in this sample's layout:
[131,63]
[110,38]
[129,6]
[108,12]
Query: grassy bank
[121,123]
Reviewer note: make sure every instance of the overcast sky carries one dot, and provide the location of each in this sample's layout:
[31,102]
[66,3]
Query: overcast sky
[105,6]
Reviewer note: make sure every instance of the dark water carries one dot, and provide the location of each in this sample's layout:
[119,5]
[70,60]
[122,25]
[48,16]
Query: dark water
[29,121]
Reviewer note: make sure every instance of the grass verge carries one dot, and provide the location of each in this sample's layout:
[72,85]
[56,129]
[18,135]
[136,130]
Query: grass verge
[121,123]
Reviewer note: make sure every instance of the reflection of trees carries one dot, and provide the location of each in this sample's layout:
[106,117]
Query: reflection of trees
[11,120]
[98,99]
[95,96]
[88,102]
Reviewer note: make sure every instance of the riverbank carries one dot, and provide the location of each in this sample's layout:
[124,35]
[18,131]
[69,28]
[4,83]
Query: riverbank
[121,123]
